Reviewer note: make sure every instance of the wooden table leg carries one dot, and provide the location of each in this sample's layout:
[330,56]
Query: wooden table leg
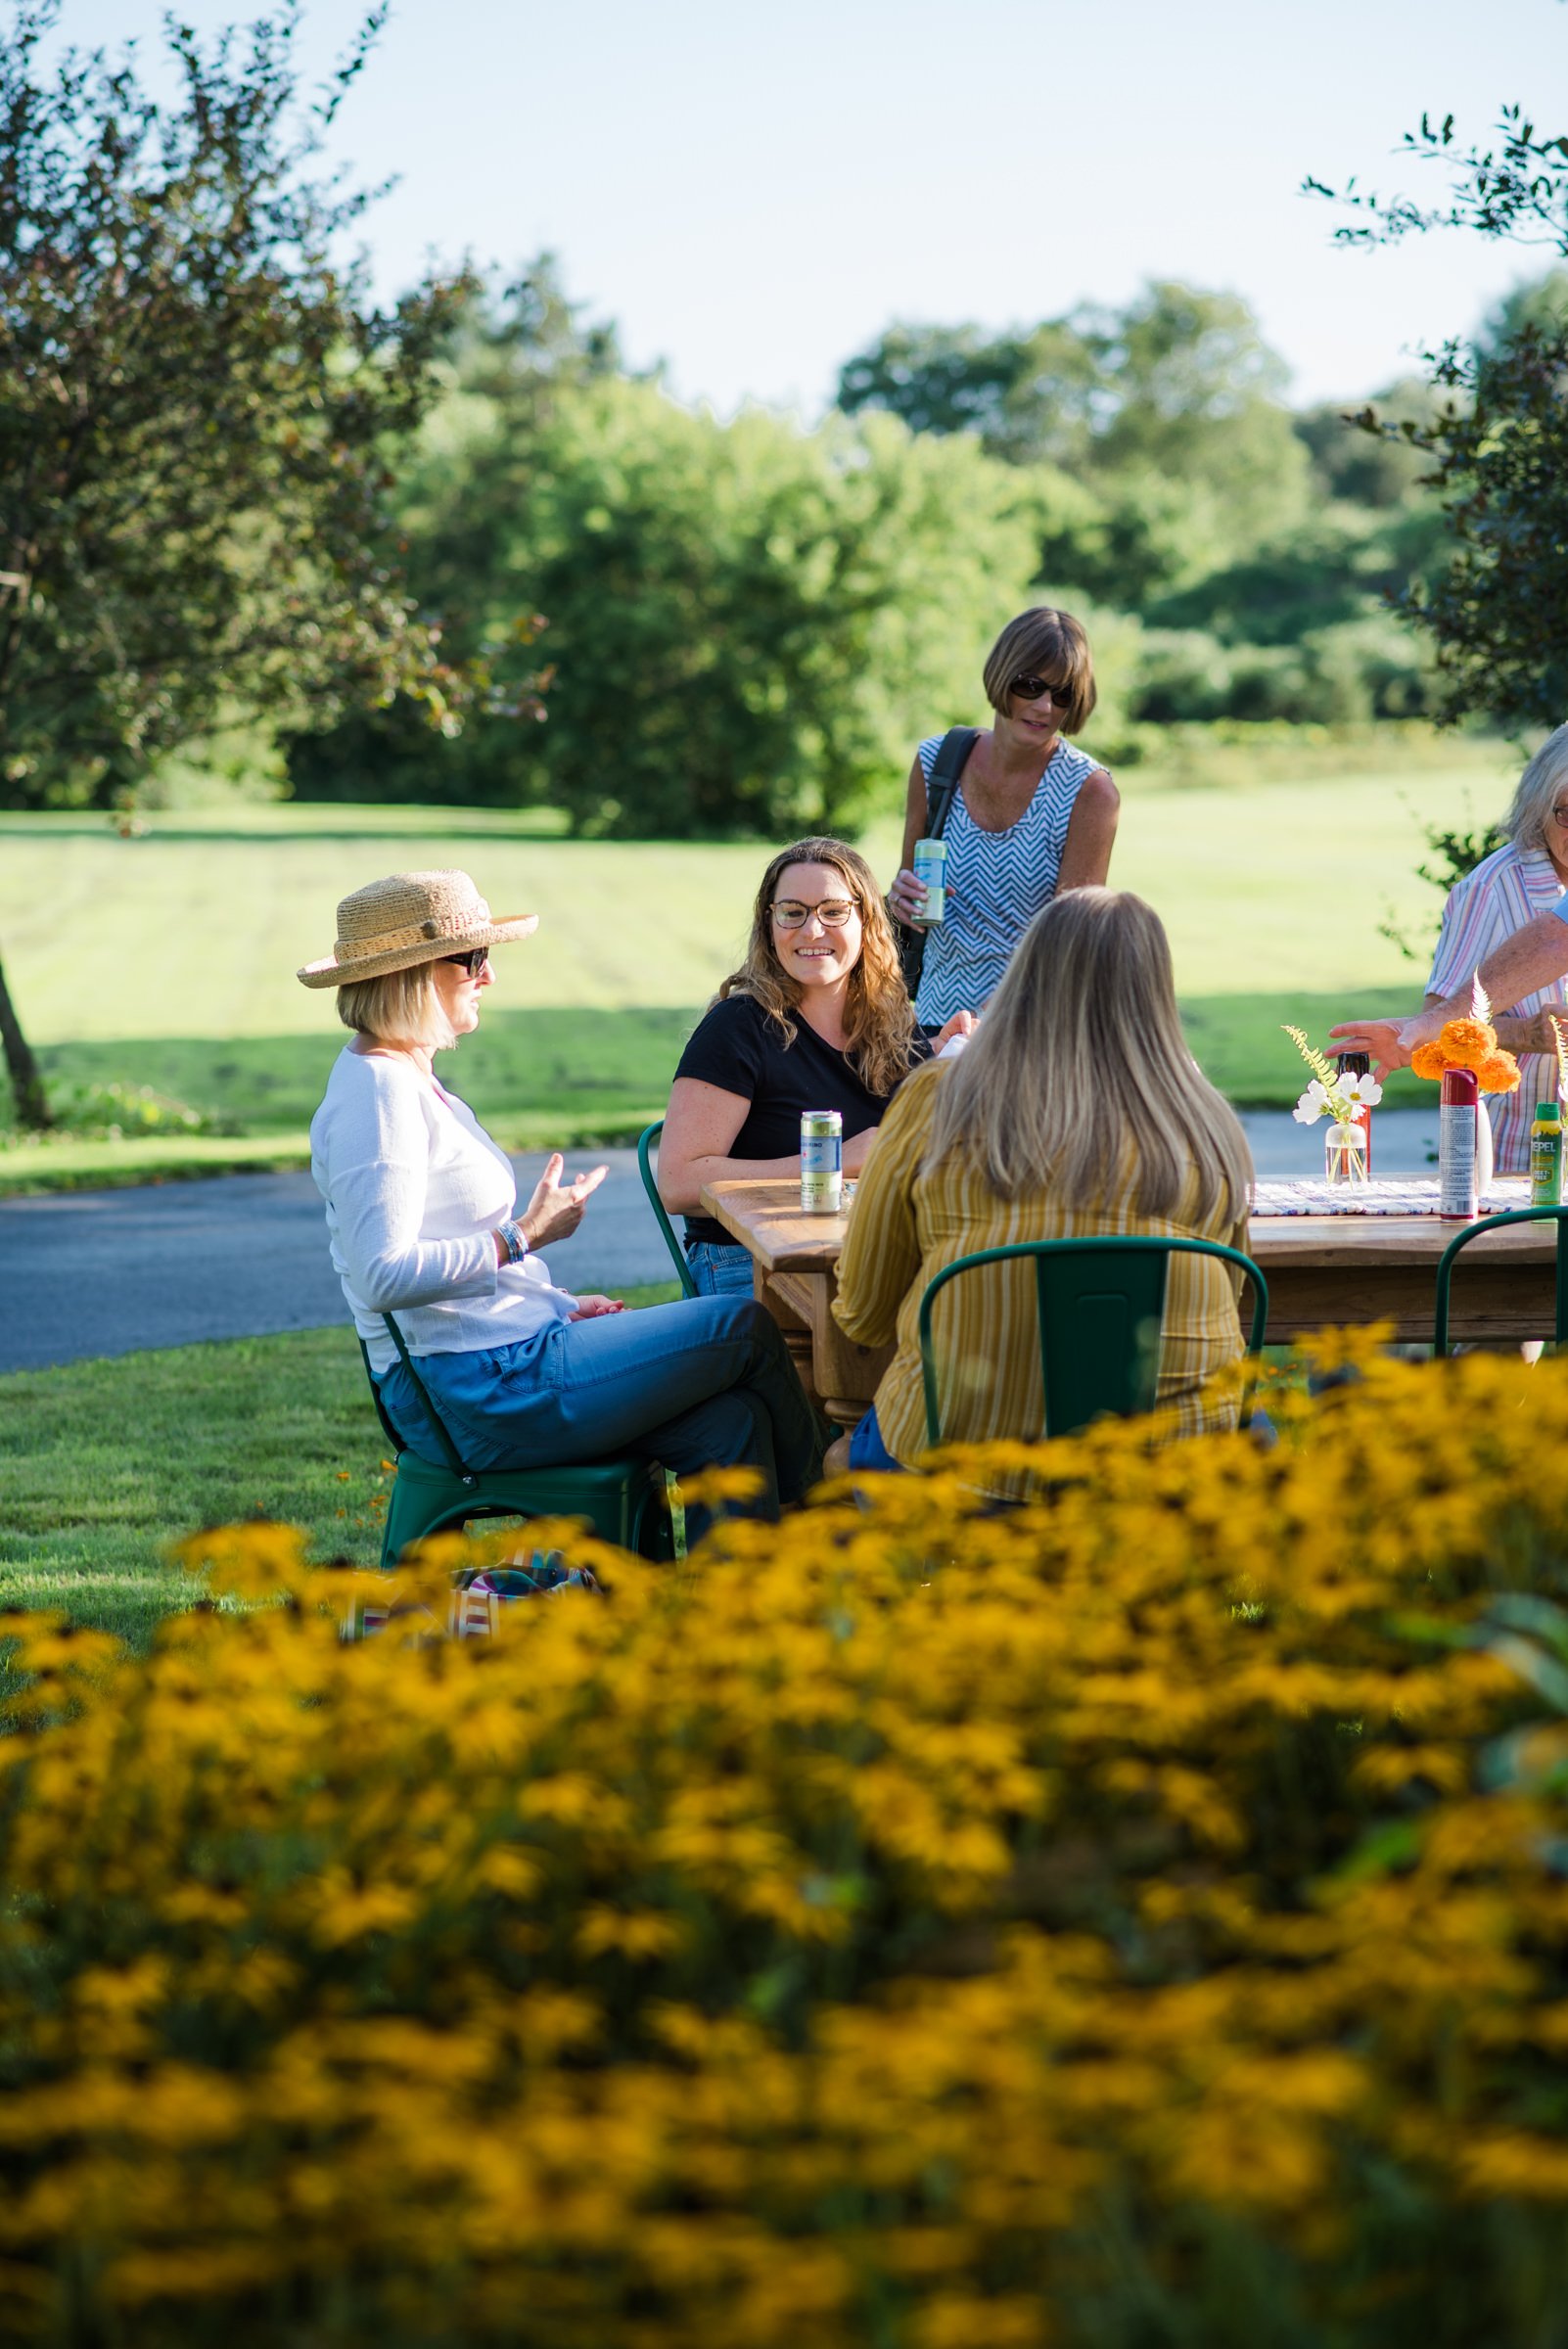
[796,1331]
[844,1376]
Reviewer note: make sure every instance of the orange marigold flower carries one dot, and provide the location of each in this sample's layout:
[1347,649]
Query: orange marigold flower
[1465,1043]
[1428,1060]
[1498,1073]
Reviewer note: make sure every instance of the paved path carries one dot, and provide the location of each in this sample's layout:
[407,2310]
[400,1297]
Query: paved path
[102,1272]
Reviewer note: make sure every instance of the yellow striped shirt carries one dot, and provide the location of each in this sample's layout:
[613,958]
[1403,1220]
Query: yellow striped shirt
[905,1226]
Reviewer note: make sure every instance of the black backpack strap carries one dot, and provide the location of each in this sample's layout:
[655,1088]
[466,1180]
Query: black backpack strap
[941,784]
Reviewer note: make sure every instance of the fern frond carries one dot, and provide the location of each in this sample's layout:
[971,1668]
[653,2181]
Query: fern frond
[1559,1037]
[1323,1070]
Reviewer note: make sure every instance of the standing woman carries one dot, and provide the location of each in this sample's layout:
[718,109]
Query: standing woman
[1032,816]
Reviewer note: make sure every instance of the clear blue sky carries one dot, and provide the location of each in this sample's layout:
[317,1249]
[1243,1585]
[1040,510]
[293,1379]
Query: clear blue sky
[753,193]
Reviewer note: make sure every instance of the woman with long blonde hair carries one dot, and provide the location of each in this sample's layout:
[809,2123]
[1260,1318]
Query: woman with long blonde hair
[1076,1110]
[816,1017]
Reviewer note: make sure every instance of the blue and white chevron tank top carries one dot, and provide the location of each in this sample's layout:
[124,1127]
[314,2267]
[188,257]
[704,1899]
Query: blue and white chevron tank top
[996,882]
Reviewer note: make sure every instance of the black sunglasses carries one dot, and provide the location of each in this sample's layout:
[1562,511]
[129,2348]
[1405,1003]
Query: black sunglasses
[472,961]
[1030,688]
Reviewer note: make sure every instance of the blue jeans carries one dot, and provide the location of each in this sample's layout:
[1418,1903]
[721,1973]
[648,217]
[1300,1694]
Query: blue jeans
[868,1450]
[706,1383]
[720,1268]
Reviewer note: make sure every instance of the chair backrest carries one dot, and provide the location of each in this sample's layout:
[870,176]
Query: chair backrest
[450,1451]
[677,1255]
[1098,1305]
[1473,1232]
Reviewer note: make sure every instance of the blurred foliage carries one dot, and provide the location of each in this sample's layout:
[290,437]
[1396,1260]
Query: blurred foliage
[1495,436]
[1131,1920]
[747,624]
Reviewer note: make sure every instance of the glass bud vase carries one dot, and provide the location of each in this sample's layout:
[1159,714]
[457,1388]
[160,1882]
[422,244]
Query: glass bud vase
[1344,1156]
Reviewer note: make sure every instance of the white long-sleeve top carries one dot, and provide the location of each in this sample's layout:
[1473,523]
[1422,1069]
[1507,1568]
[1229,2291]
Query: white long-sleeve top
[415,1188]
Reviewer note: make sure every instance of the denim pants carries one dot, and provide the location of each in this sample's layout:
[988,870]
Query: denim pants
[868,1450]
[706,1383]
[720,1268]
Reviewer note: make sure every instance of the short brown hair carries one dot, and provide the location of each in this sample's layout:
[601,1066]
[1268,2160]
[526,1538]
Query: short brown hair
[1048,643]
[399,1007]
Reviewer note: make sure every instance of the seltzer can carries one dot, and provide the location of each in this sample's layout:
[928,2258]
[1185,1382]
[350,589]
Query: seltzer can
[930,868]
[821,1162]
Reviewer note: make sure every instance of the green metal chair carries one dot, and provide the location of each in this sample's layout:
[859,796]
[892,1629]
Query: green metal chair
[1099,1303]
[1473,1232]
[624,1501]
[677,1255]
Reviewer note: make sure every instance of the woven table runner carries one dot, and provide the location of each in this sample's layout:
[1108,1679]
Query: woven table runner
[1415,1195]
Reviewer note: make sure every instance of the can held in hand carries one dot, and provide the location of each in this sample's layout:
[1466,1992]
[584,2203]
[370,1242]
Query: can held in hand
[930,868]
[821,1162]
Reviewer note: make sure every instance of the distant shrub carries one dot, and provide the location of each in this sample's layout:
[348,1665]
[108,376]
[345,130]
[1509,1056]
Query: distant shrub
[92,1112]
[1134,1919]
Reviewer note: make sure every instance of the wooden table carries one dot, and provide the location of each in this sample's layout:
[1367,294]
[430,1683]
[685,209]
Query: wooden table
[1322,1270]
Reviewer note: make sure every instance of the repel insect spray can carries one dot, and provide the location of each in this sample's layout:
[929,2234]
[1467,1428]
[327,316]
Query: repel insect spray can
[821,1162]
[1456,1147]
[1545,1155]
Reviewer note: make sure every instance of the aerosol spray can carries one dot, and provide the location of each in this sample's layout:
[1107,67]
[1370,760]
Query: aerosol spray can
[1360,1063]
[821,1162]
[1456,1147]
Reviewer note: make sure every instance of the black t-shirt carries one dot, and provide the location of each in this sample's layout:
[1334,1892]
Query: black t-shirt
[737,1047]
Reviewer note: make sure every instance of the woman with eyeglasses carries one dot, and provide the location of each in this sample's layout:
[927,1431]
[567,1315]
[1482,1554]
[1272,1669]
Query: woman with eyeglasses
[1032,816]
[817,1017]
[423,1222]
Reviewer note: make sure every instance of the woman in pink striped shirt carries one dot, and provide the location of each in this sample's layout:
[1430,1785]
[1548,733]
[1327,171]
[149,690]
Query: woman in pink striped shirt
[1508,889]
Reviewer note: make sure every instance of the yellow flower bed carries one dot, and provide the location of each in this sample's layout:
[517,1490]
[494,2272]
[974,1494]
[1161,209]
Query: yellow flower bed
[1138,1918]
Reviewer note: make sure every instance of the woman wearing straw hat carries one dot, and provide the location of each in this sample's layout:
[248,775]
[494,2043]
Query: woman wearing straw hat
[422,1218]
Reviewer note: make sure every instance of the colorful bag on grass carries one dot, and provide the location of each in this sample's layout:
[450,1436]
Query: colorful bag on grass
[479,1594]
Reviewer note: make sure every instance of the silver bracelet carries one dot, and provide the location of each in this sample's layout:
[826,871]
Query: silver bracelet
[514,1239]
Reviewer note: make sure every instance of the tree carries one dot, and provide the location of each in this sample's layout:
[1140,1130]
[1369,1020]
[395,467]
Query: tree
[197,410]
[1167,411]
[748,623]
[1028,396]
[1496,445]
[514,357]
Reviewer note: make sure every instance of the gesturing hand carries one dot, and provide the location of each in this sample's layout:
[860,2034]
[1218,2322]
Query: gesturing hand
[1388,1042]
[556,1207]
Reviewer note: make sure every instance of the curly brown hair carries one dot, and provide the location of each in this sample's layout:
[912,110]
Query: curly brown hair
[878,1023]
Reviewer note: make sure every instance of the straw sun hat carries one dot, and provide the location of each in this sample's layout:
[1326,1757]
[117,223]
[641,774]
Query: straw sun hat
[410,918]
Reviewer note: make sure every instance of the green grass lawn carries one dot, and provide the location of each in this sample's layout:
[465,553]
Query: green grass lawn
[104,1464]
[169,961]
